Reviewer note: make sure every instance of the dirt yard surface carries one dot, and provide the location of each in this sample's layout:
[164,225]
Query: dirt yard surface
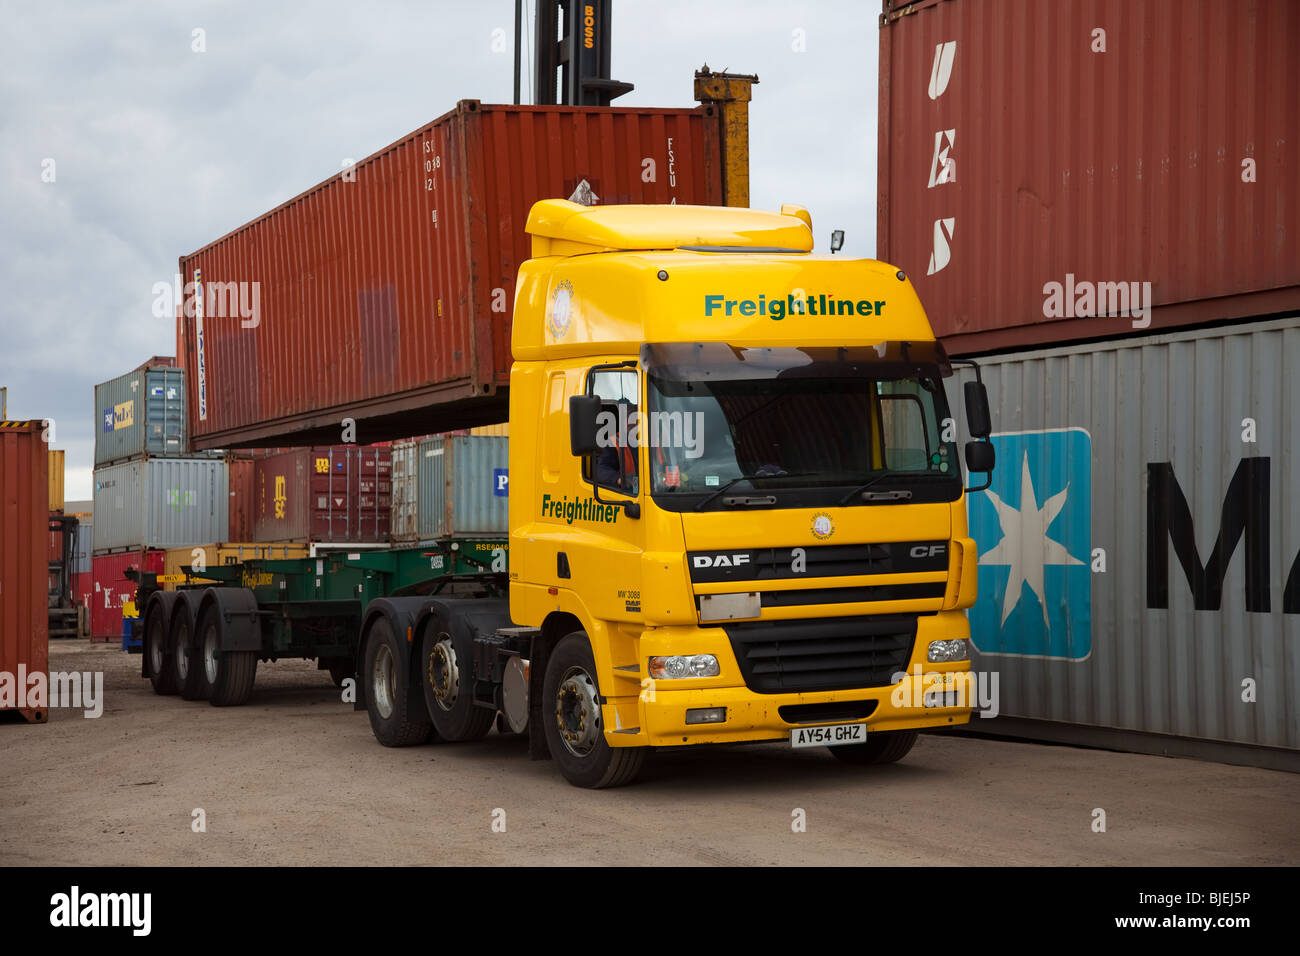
[295,777]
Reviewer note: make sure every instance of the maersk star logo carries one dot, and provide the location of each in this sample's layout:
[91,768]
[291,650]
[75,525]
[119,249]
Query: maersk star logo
[1033,530]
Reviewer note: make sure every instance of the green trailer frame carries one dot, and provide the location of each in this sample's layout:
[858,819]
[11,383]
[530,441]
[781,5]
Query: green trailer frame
[313,608]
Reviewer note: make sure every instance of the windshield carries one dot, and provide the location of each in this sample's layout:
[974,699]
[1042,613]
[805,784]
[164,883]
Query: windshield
[797,427]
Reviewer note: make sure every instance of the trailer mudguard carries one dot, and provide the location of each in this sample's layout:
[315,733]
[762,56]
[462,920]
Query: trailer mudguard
[239,624]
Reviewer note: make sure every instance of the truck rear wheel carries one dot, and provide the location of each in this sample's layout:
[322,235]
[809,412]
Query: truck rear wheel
[446,664]
[229,674]
[185,659]
[162,675]
[575,731]
[384,668]
[887,747]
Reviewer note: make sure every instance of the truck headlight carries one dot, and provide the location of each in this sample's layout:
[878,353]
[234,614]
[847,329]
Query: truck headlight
[943,652]
[686,665]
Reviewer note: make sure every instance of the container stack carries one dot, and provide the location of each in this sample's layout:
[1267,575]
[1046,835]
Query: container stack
[1133,301]
[149,494]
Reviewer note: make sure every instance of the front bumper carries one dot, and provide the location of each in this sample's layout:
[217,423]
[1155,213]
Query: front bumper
[657,717]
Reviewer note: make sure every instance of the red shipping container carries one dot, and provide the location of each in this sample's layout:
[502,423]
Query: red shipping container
[389,288]
[1083,142]
[24,545]
[243,498]
[339,493]
[83,588]
[112,589]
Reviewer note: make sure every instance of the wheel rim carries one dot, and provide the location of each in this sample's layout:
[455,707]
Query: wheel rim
[155,644]
[444,673]
[182,652]
[577,713]
[211,654]
[382,684]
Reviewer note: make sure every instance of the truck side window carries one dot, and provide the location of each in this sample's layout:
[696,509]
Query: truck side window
[616,465]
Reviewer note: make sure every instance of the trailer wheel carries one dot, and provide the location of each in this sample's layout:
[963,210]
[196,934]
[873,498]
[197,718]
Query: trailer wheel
[186,662]
[446,664]
[575,732]
[229,674]
[887,747]
[394,722]
[161,673]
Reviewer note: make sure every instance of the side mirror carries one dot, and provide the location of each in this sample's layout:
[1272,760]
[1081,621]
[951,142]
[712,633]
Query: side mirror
[584,411]
[980,458]
[978,421]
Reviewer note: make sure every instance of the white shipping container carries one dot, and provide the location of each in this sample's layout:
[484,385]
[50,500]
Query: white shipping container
[403,526]
[161,503]
[1139,569]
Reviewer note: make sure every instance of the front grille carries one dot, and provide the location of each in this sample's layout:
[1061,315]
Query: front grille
[837,653]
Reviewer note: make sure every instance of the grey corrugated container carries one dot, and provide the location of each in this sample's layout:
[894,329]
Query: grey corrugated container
[404,525]
[161,503]
[462,486]
[140,413]
[83,544]
[1200,404]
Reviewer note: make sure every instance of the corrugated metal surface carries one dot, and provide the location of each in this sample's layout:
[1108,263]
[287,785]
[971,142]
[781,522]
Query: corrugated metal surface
[83,588]
[404,527]
[83,546]
[214,555]
[402,281]
[463,486]
[1116,166]
[161,503]
[56,465]
[495,431]
[1173,459]
[335,493]
[112,588]
[24,534]
[140,413]
[243,498]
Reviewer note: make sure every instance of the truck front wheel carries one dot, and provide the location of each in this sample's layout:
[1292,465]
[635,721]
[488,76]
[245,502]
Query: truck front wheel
[886,747]
[575,732]
[386,671]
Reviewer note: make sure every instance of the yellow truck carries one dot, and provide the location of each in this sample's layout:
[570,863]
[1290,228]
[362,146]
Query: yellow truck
[736,508]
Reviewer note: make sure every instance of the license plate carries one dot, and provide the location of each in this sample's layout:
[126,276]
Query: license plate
[831,735]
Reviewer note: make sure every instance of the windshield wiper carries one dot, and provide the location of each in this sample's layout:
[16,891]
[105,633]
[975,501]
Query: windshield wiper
[784,474]
[887,495]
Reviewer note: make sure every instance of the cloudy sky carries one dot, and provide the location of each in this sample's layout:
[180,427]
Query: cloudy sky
[157,149]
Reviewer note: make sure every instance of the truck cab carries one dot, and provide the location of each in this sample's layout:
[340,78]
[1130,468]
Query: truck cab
[737,508]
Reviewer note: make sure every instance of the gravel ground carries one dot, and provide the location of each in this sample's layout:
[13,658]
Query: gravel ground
[295,778]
